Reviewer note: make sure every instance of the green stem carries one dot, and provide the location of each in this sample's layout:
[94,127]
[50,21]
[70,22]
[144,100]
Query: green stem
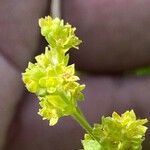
[79,117]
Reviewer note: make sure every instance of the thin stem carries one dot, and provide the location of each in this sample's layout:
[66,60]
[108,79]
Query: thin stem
[79,117]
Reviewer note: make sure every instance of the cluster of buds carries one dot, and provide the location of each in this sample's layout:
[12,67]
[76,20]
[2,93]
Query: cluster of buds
[56,85]
[51,78]
[123,132]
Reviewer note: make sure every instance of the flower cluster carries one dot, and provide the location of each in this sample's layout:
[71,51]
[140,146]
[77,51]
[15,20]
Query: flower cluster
[123,132]
[57,34]
[56,85]
[51,78]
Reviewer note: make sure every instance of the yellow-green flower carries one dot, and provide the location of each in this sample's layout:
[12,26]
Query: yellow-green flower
[50,77]
[56,85]
[123,132]
[57,34]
